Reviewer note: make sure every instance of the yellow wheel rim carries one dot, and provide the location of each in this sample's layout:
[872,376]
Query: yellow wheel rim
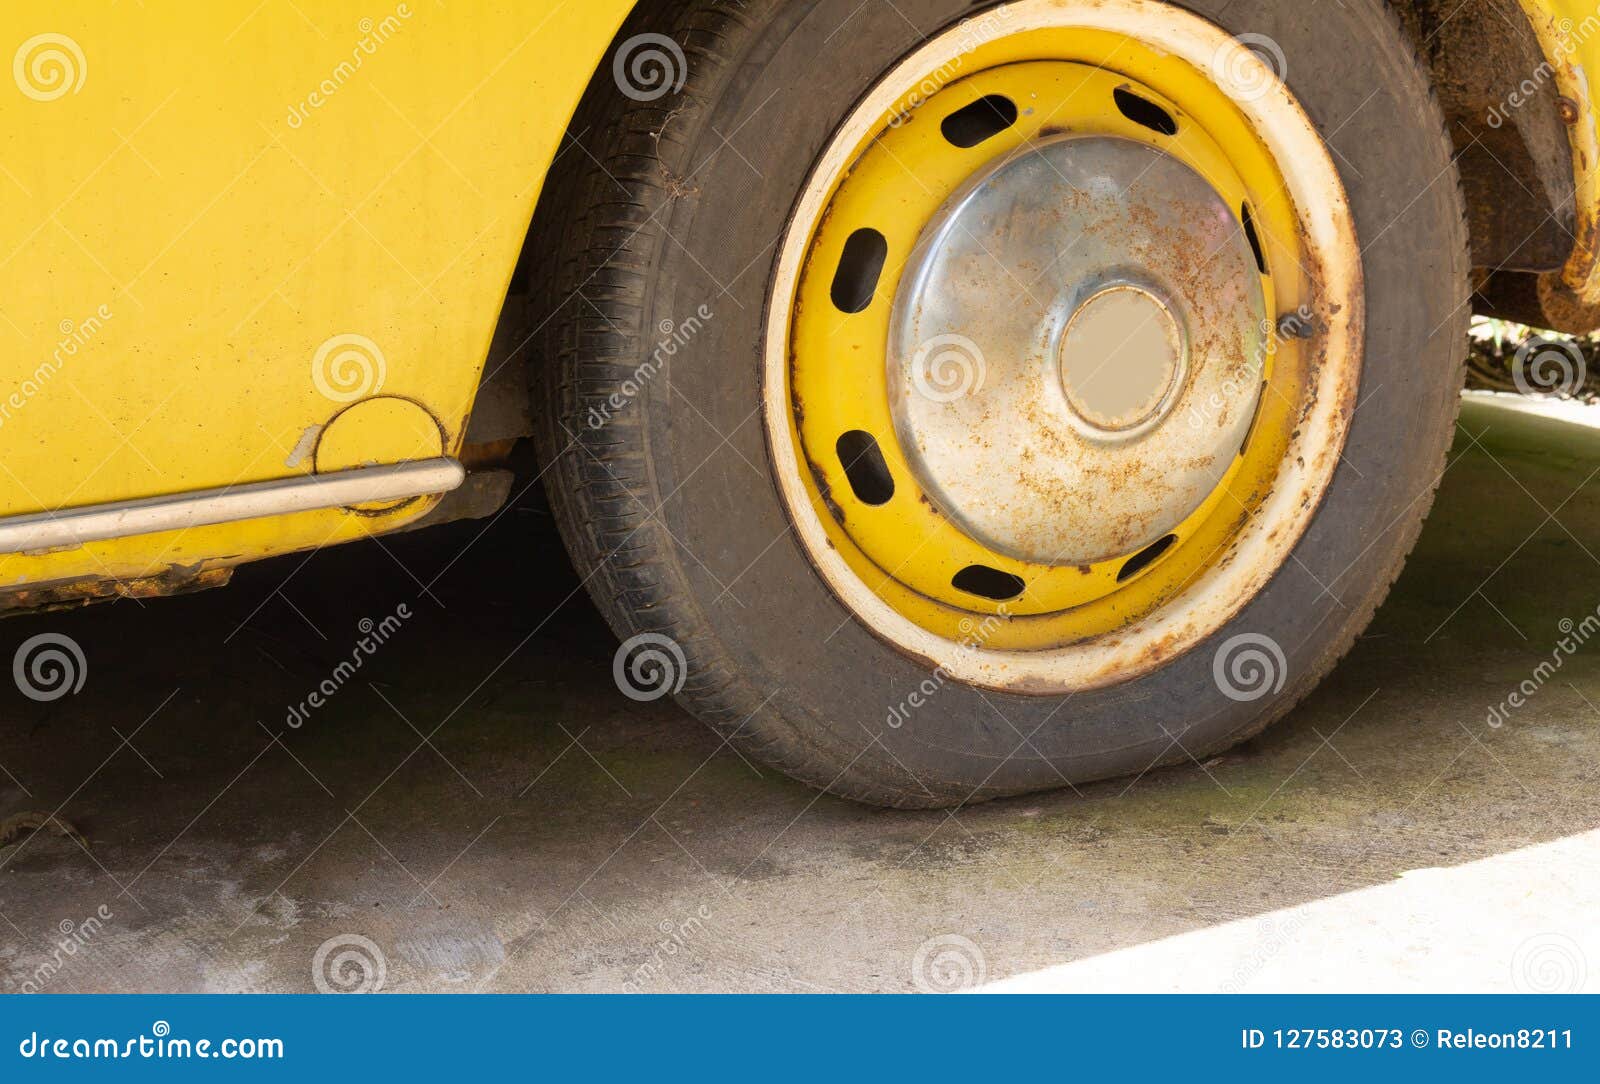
[1049,615]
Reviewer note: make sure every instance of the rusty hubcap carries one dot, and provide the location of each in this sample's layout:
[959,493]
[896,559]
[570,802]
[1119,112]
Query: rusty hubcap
[1085,316]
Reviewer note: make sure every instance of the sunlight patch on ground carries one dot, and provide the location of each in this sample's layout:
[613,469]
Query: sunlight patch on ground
[1566,410]
[1517,922]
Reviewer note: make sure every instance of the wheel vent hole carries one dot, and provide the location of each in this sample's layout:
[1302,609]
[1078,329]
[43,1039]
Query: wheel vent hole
[855,280]
[1253,237]
[1144,111]
[864,466]
[989,583]
[972,124]
[1145,558]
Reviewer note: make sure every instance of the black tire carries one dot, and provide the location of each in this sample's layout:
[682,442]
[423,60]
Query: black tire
[668,508]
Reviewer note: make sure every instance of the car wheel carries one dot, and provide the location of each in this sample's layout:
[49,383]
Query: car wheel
[950,403]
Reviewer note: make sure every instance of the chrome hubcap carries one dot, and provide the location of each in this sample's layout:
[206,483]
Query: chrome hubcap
[1076,350]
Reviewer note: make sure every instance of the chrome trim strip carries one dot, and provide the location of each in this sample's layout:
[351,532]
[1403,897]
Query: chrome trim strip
[204,507]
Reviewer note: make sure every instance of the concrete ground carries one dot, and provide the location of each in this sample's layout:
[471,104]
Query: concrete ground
[556,836]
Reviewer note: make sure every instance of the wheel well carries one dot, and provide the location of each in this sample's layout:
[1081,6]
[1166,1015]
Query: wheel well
[1504,113]
[503,406]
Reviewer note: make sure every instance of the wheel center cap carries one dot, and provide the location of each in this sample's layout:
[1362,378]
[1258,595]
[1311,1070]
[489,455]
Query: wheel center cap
[1121,360]
[1076,350]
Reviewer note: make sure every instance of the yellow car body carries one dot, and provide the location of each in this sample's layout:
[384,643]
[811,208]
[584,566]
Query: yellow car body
[250,242]
[198,197]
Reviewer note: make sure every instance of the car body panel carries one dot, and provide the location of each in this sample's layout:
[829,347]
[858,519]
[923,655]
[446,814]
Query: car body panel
[198,197]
